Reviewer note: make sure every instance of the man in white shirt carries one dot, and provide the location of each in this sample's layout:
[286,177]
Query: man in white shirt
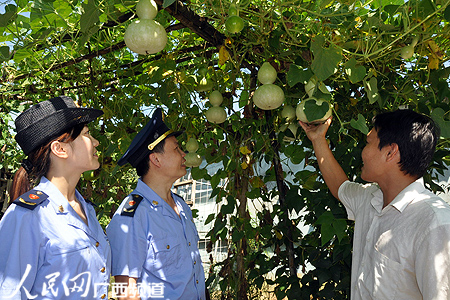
[401,247]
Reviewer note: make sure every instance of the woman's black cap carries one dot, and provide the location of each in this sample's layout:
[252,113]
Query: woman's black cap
[48,119]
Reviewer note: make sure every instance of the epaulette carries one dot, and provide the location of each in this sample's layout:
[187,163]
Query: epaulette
[31,199]
[130,206]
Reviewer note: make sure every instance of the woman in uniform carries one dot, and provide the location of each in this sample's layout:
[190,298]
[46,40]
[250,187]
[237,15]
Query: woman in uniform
[52,245]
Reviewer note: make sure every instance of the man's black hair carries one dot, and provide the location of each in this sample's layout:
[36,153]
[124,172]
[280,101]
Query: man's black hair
[144,165]
[415,134]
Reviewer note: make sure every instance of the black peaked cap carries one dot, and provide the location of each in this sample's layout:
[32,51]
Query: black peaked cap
[143,143]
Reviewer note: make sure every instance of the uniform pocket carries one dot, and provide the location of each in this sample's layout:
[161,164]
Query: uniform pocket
[166,257]
[63,247]
[383,279]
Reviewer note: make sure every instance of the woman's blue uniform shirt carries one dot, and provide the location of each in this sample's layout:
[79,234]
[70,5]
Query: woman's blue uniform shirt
[61,256]
[157,246]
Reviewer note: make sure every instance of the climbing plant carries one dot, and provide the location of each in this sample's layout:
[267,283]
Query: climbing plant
[364,57]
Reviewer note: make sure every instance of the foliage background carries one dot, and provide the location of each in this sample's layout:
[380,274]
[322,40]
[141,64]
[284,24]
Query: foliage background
[76,48]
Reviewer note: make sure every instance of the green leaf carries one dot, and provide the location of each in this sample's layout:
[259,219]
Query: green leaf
[340,227]
[447,13]
[438,116]
[229,207]
[215,180]
[21,54]
[325,60]
[198,173]
[293,200]
[42,10]
[230,165]
[425,8]
[163,92]
[8,16]
[354,72]
[360,124]
[392,9]
[326,218]
[274,39]
[89,17]
[296,74]
[382,3]
[4,53]
[313,111]
[167,3]
[310,183]
[210,218]
[243,98]
[326,232]
[372,90]
[237,235]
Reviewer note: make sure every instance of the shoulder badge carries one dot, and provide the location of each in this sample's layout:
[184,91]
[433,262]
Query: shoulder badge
[131,205]
[31,199]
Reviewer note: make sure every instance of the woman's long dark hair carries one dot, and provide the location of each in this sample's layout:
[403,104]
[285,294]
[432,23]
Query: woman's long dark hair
[40,160]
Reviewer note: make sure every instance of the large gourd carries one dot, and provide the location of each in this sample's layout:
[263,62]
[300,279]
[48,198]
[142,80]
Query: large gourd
[268,96]
[313,110]
[145,35]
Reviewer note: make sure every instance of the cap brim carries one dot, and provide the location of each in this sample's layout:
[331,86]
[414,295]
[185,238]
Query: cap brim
[39,131]
[133,148]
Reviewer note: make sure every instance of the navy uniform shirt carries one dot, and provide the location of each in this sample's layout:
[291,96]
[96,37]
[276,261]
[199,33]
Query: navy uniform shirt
[48,252]
[149,241]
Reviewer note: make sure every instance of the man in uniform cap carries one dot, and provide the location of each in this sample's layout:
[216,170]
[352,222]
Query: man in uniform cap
[152,234]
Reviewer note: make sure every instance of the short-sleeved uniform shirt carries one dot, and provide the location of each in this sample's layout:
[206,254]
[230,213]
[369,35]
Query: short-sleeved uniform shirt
[402,251]
[49,253]
[158,247]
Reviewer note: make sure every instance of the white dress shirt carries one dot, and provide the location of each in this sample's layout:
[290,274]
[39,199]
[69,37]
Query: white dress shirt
[401,251]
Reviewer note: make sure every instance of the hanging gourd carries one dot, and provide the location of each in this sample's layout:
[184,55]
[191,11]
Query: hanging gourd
[288,115]
[192,158]
[268,96]
[216,114]
[313,111]
[204,84]
[145,35]
[234,23]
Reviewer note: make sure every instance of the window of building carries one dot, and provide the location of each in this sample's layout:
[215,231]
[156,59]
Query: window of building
[202,192]
[222,246]
[185,191]
[202,244]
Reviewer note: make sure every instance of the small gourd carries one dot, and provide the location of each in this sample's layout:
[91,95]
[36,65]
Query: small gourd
[408,51]
[216,114]
[192,158]
[234,23]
